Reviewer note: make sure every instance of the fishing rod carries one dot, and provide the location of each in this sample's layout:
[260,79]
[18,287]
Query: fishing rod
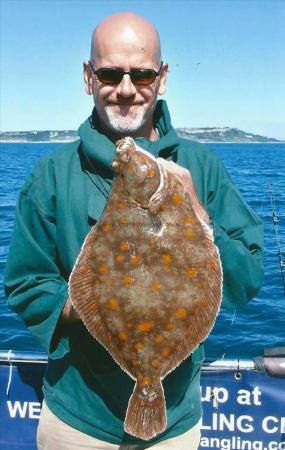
[277,234]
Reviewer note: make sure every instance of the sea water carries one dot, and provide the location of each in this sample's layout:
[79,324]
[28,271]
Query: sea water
[240,333]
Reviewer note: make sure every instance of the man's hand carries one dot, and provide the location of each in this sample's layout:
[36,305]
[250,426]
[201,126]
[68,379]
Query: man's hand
[69,314]
[185,177]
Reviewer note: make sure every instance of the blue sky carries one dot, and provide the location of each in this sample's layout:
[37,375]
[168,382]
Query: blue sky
[226,61]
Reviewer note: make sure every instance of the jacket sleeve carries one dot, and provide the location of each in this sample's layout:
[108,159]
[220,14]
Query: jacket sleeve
[238,233]
[33,284]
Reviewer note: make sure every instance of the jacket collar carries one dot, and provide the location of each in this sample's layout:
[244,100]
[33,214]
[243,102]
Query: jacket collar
[100,150]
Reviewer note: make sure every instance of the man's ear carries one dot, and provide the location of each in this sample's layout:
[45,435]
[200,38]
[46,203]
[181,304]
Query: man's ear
[87,78]
[162,80]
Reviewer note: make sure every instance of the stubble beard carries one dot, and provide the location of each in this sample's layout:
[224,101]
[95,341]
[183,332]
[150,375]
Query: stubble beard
[125,124]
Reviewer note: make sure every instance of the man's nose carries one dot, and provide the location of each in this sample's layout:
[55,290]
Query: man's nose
[126,88]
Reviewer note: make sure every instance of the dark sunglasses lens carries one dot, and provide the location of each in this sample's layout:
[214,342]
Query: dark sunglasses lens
[115,76]
[143,76]
[110,76]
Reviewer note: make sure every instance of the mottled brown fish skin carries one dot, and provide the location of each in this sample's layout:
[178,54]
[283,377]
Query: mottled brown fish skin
[148,281]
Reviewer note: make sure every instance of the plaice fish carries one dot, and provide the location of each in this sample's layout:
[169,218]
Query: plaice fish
[148,281]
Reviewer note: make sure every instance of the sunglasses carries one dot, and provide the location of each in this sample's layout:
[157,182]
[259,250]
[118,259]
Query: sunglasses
[114,75]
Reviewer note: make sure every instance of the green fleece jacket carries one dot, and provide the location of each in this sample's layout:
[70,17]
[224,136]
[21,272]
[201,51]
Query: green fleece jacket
[60,201]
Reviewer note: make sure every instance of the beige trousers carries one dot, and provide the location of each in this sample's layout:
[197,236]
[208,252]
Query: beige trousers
[53,434]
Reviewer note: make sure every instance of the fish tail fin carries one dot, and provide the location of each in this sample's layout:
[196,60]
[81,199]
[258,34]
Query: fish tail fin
[146,413]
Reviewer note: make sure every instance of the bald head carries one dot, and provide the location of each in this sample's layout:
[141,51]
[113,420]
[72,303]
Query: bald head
[132,33]
[125,106]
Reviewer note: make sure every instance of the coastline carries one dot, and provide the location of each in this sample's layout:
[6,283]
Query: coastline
[201,141]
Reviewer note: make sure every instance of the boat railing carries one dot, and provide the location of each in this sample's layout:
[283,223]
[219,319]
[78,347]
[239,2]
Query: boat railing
[272,362]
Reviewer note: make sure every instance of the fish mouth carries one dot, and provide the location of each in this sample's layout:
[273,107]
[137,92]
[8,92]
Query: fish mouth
[125,145]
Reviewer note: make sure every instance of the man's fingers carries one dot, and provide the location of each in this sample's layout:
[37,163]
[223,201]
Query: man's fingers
[180,172]
[69,314]
[184,176]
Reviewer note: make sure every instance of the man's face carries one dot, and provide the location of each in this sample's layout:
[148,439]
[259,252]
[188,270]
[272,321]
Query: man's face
[125,108]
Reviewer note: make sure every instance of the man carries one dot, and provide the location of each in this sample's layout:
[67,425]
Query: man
[86,392]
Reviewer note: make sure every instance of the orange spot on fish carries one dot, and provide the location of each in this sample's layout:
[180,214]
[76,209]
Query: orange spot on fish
[103,269]
[191,272]
[177,199]
[146,381]
[109,281]
[134,362]
[200,285]
[169,326]
[123,220]
[113,303]
[121,205]
[129,325]
[139,346]
[120,258]
[181,313]
[123,336]
[128,281]
[156,287]
[110,207]
[145,326]
[106,226]
[150,172]
[93,306]
[135,260]
[190,234]
[166,260]
[85,269]
[165,351]
[158,339]
[124,246]
[189,220]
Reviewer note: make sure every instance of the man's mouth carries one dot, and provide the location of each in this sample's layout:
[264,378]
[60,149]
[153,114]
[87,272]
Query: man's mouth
[110,103]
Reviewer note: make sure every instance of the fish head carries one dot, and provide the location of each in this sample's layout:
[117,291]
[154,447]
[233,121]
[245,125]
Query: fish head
[138,171]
